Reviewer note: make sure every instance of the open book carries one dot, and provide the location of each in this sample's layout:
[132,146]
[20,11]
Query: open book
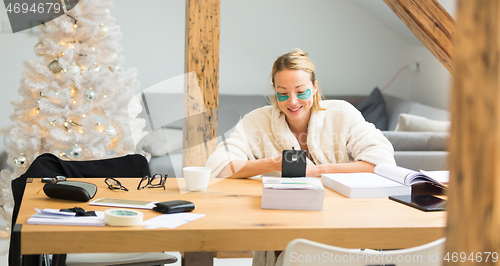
[388,180]
[409,177]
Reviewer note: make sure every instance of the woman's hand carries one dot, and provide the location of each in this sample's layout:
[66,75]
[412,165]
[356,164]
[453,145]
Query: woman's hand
[354,167]
[244,169]
[276,162]
[314,170]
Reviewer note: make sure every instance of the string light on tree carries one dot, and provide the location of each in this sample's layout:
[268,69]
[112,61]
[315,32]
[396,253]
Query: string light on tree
[42,95]
[95,67]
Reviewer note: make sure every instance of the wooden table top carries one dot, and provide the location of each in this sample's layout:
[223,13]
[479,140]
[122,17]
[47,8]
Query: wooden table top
[234,221]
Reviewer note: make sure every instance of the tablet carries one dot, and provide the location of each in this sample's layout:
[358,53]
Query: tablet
[421,202]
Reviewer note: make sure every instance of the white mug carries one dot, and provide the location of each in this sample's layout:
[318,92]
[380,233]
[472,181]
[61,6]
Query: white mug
[196,177]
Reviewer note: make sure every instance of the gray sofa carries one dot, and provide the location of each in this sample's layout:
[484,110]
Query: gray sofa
[413,150]
[416,150]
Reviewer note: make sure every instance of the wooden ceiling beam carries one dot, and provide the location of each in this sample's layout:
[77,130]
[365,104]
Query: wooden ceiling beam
[432,25]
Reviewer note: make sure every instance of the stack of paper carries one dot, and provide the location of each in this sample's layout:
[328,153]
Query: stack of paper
[56,217]
[364,185]
[306,193]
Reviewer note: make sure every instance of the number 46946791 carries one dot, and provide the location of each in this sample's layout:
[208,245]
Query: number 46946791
[24,8]
[473,256]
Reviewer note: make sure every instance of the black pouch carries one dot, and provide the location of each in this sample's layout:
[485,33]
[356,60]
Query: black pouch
[293,163]
[70,190]
[174,206]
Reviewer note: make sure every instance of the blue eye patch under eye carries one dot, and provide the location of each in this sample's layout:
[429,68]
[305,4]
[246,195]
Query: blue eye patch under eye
[282,98]
[305,95]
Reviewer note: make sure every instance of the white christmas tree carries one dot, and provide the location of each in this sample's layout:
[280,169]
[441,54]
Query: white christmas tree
[77,102]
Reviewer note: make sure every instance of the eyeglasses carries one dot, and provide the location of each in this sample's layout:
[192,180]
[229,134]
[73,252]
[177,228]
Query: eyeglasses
[114,184]
[153,182]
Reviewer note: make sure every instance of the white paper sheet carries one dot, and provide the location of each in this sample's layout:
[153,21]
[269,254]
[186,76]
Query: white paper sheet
[171,220]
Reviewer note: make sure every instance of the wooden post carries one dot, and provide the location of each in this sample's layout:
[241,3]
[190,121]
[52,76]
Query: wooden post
[474,193]
[202,85]
[432,25]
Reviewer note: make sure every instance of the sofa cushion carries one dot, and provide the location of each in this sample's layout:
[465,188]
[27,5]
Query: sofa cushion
[417,141]
[408,122]
[373,109]
[164,141]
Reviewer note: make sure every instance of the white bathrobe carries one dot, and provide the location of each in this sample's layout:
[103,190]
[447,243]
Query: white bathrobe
[338,134]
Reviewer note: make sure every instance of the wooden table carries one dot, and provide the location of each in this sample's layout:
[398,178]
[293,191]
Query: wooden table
[234,221]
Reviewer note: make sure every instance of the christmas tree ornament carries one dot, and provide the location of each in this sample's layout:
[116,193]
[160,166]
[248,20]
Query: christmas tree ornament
[55,67]
[20,161]
[110,131]
[40,48]
[90,95]
[73,69]
[103,30]
[75,151]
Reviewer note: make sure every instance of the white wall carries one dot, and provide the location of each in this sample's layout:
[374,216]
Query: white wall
[353,51]
[432,84]
[14,50]
[153,37]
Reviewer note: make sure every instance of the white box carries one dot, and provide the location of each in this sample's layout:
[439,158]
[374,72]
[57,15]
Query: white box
[292,193]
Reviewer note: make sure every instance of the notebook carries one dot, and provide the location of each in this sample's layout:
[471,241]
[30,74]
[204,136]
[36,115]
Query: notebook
[51,217]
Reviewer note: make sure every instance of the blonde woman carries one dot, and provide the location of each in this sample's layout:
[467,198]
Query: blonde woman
[335,135]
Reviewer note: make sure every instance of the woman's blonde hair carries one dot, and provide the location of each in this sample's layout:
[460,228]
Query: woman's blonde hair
[296,60]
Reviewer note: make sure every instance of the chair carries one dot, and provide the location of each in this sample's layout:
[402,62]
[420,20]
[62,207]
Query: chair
[301,252]
[49,165]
